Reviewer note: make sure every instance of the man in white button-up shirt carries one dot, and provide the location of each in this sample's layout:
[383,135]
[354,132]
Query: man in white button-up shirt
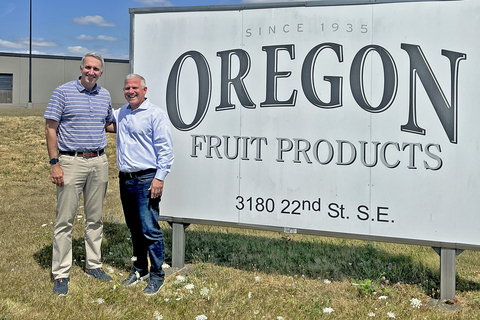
[144,157]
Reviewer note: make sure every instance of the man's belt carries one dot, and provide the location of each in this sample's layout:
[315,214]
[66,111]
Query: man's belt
[85,154]
[133,175]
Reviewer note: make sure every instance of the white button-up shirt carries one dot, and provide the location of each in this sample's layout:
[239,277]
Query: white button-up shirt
[144,139]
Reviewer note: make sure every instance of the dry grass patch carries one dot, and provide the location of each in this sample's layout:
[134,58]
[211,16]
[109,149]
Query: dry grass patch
[236,274]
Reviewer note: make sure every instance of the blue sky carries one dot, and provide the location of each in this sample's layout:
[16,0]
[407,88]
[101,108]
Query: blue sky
[72,28]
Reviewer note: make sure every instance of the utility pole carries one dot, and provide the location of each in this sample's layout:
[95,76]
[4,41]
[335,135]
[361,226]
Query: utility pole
[30,104]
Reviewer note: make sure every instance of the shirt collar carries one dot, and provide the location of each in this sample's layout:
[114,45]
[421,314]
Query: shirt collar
[145,104]
[81,88]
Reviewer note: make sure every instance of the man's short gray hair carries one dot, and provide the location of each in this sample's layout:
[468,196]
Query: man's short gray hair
[143,83]
[93,55]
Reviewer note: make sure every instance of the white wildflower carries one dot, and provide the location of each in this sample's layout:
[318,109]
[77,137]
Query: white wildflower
[249,295]
[179,279]
[328,310]
[280,318]
[382,298]
[166,299]
[110,270]
[201,317]
[157,315]
[371,314]
[165,266]
[100,301]
[327,281]
[190,286]
[257,278]
[133,259]
[416,303]
[255,312]
[204,291]
[391,315]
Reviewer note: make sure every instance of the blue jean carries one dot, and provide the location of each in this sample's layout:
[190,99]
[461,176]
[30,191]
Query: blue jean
[141,216]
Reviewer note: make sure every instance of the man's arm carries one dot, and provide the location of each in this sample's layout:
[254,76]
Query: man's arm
[111,127]
[56,173]
[163,146]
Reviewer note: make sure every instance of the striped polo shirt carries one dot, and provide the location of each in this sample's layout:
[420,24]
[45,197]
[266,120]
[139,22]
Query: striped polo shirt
[81,115]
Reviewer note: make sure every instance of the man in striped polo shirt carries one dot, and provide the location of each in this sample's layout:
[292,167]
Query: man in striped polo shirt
[76,116]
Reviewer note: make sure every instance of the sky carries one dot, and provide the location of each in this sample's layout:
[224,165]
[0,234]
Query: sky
[73,28]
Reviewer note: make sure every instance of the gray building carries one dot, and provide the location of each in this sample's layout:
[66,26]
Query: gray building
[48,72]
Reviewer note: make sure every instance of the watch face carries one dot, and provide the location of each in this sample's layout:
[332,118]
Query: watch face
[53,161]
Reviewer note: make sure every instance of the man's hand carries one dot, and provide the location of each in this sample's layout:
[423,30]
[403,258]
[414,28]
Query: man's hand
[156,188]
[56,174]
[111,127]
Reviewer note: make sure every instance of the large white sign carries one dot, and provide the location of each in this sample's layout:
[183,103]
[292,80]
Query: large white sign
[352,120]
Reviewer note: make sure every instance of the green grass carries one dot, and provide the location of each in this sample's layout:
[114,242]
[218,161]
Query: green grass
[236,273]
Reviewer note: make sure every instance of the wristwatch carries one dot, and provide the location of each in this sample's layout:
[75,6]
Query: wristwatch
[53,161]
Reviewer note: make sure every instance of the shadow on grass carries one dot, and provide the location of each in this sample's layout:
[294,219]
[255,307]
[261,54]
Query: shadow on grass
[116,248]
[315,259]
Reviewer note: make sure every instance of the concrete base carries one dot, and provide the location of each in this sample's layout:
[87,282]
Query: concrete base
[447,305]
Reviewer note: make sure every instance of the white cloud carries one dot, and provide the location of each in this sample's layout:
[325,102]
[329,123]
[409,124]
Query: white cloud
[100,37]
[9,44]
[85,38]
[95,20]
[38,42]
[25,51]
[158,3]
[107,38]
[7,9]
[78,50]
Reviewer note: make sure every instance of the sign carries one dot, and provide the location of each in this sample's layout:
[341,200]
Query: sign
[356,121]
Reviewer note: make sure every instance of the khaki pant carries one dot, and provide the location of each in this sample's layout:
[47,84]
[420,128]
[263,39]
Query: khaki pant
[89,175]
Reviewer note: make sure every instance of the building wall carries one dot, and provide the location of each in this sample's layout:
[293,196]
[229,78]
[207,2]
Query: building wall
[48,72]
